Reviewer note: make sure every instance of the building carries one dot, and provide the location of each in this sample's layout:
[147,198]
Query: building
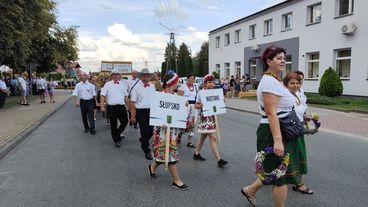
[317,34]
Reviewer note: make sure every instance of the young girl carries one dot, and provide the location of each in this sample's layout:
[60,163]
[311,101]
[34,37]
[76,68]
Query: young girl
[207,126]
[170,82]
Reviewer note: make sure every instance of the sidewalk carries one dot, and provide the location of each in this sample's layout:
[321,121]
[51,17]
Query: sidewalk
[19,121]
[349,124]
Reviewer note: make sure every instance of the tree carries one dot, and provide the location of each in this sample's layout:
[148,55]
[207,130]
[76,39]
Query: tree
[330,84]
[185,64]
[169,58]
[202,61]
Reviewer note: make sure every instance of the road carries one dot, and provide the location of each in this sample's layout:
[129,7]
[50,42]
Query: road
[59,165]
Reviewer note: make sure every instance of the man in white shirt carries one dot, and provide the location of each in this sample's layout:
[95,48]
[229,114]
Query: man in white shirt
[131,84]
[84,91]
[41,87]
[23,90]
[140,110]
[115,93]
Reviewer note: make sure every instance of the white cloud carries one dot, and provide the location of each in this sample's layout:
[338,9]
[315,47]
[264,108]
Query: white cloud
[121,34]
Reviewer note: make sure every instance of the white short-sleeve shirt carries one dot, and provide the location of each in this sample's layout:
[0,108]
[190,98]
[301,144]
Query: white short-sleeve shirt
[269,84]
[301,108]
[190,94]
[84,90]
[142,95]
[115,93]
[131,83]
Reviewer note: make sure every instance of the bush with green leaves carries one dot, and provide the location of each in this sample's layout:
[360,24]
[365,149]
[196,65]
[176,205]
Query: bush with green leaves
[216,74]
[330,84]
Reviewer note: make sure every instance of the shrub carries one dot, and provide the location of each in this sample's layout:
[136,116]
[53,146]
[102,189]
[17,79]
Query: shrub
[217,76]
[330,84]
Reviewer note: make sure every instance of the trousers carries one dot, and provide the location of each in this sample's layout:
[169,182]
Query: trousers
[86,107]
[117,112]
[145,129]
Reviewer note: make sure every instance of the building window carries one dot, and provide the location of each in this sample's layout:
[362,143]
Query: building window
[313,65]
[252,31]
[227,39]
[227,70]
[344,7]
[217,41]
[287,21]
[218,70]
[287,66]
[252,68]
[238,68]
[237,36]
[343,62]
[314,13]
[268,27]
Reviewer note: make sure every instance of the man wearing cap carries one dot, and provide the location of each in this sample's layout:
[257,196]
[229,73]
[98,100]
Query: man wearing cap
[131,84]
[87,96]
[116,94]
[140,110]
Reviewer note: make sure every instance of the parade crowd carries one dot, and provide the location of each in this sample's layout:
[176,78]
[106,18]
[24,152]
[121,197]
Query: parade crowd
[128,101]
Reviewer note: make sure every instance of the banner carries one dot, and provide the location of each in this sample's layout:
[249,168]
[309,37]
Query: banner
[168,109]
[213,102]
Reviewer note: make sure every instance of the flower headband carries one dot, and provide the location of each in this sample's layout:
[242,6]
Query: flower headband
[207,77]
[172,80]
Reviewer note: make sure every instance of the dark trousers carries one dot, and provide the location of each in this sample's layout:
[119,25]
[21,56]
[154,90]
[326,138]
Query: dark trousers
[146,130]
[117,112]
[86,107]
[2,99]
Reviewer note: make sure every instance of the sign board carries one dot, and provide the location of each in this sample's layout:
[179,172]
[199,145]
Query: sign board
[213,102]
[123,67]
[168,109]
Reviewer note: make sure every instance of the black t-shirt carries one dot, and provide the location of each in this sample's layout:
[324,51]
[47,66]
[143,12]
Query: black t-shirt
[232,82]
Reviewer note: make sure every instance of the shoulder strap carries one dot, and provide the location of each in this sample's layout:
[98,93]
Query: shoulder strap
[278,113]
[133,86]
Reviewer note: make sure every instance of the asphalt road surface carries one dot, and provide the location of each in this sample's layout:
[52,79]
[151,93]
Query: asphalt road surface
[59,165]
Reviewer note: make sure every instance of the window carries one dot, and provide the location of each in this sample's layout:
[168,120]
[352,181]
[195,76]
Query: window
[218,69]
[343,62]
[268,27]
[237,36]
[287,21]
[313,65]
[227,39]
[227,70]
[252,31]
[314,13]
[344,7]
[287,66]
[217,41]
[252,68]
[238,68]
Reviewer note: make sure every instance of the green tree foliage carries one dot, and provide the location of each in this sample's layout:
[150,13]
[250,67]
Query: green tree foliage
[330,84]
[201,61]
[169,57]
[217,76]
[185,64]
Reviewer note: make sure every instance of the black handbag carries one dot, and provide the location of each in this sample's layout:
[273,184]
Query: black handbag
[290,125]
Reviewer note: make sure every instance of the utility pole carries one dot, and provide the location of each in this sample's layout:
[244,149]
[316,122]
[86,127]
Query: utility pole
[173,51]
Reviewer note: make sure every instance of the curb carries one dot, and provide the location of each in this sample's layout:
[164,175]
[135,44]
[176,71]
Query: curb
[20,137]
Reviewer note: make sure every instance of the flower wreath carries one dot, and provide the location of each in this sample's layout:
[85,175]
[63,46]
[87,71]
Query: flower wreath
[268,177]
[314,118]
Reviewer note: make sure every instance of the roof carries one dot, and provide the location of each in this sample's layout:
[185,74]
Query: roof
[252,15]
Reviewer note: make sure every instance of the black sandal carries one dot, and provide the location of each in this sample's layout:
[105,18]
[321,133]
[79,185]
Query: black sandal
[305,191]
[191,145]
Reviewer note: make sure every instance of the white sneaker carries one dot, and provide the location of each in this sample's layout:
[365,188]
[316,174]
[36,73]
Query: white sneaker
[94,118]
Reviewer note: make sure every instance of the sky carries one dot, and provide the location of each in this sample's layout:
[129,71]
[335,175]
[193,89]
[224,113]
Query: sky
[137,30]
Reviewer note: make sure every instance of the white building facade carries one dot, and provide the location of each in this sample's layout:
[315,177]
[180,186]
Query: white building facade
[317,34]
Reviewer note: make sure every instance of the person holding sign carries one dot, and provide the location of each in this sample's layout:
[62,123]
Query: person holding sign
[140,110]
[160,134]
[190,91]
[207,126]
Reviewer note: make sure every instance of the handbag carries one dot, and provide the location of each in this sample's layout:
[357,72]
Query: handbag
[290,125]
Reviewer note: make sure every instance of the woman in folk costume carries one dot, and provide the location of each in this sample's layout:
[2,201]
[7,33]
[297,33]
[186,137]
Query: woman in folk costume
[170,82]
[189,90]
[207,126]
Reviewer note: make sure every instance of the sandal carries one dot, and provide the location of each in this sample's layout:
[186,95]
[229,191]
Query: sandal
[251,200]
[305,191]
[191,145]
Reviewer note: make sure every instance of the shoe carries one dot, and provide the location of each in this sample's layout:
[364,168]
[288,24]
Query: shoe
[86,130]
[26,104]
[93,132]
[182,187]
[305,191]
[198,157]
[251,200]
[178,140]
[53,101]
[122,136]
[221,163]
[130,124]
[152,175]
[148,156]
[191,145]
[94,118]
[118,144]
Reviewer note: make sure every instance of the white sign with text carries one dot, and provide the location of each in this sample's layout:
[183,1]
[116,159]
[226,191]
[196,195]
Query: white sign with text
[213,102]
[168,109]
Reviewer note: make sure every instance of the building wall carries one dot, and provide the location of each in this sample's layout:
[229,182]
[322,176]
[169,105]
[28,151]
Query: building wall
[323,37]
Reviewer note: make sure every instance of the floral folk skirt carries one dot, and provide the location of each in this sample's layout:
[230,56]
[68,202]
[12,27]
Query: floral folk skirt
[297,155]
[159,143]
[206,124]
